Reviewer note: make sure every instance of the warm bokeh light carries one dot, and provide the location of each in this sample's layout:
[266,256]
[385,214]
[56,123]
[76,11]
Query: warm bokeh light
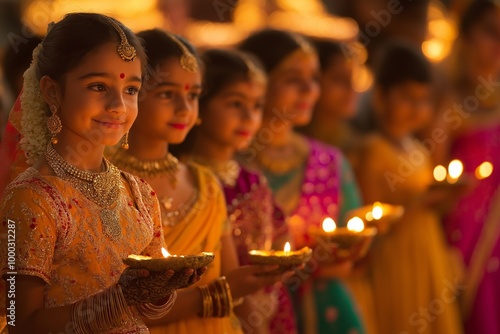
[164,252]
[377,211]
[329,225]
[355,224]
[484,170]
[441,32]
[369,216]
[137,15]
[455,169]
[209,34]
[440,173]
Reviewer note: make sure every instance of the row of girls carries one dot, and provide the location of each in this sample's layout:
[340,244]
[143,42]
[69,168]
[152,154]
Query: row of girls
[244,178]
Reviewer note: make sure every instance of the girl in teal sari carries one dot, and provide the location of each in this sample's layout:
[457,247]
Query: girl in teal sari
[310,181]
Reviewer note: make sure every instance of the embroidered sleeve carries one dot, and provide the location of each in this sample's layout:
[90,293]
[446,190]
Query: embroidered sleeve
[29,231]
[152,205]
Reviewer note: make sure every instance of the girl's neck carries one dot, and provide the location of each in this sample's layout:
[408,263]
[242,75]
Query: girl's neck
[210,150]
[275,133]
[86,157]
[145,148]
[325,126]
[396,141]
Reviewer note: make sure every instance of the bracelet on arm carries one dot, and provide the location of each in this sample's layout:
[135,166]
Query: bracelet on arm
[217,299]
[101,312]
[154,312]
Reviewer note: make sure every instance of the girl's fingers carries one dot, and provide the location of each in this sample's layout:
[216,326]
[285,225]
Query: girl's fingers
[139,273]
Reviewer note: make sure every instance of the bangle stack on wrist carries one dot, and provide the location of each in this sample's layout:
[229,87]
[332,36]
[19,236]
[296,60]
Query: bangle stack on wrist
[217,299]
[101,312]
[153,312]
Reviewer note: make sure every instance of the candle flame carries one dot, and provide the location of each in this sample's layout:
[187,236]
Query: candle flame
[355,224]
[377,211]
[329,225]
[287,247]
[164,252]
[455,169]
[439,173]
[484,170]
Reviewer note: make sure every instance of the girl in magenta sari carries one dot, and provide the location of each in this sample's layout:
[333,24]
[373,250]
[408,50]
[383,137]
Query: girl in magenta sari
[474,226]
[230,114]
[310,180]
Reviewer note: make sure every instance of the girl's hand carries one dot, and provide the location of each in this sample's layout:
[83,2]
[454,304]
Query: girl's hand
[142,286]
[246,280]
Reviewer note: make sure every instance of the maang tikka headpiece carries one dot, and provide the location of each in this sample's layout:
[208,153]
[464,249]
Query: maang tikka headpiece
[125,50]
[188,60]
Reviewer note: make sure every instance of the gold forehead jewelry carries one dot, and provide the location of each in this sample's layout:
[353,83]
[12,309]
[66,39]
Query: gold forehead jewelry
[255,73]
[126,51]
[188,60]
[303,43]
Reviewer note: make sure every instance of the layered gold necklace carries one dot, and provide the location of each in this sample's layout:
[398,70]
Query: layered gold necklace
[281,160]
[167,166]
[227,172]
[101,188]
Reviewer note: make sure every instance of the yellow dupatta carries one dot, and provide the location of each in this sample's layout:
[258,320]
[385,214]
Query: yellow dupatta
[200,230]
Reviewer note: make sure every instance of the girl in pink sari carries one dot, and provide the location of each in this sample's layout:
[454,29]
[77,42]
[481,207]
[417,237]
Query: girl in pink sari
[474,226]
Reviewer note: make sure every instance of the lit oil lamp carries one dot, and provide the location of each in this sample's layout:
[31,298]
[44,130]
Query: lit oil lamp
[285,259]
[379,215]
[455,170]
[484,170]
[168,261]
[450,177]
[348,243]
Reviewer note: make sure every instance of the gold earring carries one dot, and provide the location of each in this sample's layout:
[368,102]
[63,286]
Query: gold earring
[125,142]
[198,121]
[54,124]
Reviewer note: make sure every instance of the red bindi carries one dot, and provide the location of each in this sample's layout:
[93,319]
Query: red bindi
[122,75]
[186,87]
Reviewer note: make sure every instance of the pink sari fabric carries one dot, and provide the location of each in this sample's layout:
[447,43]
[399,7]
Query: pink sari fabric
[256,222]
[11,156]
[464,226]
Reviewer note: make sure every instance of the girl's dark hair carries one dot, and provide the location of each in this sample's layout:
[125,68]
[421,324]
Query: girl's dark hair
[225,67]
[272,46]
[222,69]
[327,50]
[401,63]
[160,46]
[475,13]
[76,35]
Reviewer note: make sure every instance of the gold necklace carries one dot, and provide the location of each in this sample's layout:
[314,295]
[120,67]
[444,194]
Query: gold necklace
[227,172]
[168,166]
[173,218]
[281,165]
[101,188]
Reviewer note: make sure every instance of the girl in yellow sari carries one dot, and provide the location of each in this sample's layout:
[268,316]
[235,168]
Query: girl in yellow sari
[70,218]
[414,285]
[192,202]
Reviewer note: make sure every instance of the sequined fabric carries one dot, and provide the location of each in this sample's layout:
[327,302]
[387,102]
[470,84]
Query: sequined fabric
[60,239]
[256,221]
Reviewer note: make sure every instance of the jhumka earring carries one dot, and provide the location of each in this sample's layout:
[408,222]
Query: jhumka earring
[125,142]
[54,124]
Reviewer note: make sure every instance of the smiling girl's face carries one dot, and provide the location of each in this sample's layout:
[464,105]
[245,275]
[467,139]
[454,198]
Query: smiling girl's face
[233,116]
[293,88]
[168,106]
[97,100]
